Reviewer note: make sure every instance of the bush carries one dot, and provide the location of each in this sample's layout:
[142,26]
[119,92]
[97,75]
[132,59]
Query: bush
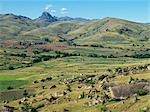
[36,60]
[11,68]
[141,92]
[25,93]
[82,95]
[89,81]
[93,55]
[49,78]
[103,108]
[141,56]
[68,88]
[27,108]
[145,109]
[9,88]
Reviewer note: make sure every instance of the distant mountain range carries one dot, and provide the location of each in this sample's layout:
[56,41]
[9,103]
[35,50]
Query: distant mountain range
[77,30]
[46,18]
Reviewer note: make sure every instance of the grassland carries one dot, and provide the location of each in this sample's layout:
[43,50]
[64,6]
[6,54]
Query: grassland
[69,67]
[39,62]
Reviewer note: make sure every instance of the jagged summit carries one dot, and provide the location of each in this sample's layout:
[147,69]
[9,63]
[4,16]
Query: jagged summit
[46,18]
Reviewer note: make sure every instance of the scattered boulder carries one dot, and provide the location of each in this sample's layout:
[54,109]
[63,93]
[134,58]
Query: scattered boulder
[93,91]
[34,82]
[101,77]
[51,98]
[88,104]
[53,86]
[80,86]
[148,67]
[106,86]
[6,108]
[91,103]
[46,79]
[23,100]
[66,110]
[81,96]
[60,94]
[132,69]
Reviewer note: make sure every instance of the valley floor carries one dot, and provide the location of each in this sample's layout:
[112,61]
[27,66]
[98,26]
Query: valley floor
[63,69]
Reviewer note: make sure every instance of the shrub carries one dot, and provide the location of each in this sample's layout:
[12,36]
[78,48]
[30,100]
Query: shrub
[89,81]
[82,95]
[92,55]
[11,68]
[49,78]
[27,108]
[141,92]
[42,80]
[25,93]
[145,109]
[103,108]
[68,88]
[9,88]
[36,60]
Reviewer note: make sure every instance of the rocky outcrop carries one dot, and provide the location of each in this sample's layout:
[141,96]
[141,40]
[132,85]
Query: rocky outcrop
[124,91]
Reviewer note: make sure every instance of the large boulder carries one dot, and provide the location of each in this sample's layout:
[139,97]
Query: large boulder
[124,91]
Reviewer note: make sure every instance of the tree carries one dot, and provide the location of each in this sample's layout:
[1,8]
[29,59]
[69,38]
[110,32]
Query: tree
[103,108]
[11,68]
[9,88]
[27,108]
[130,80]
[68,88]
[25,93]
[141,92]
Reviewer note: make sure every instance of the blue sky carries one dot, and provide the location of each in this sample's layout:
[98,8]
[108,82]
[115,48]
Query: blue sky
[135,10]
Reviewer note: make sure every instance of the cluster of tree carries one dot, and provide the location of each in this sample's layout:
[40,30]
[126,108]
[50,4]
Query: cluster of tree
[94,45]
[64,54]
[47,57]
[42,58]
[17,54]
[103,56]
[26,107]
[140,56]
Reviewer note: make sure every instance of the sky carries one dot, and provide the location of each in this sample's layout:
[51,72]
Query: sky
[134,10]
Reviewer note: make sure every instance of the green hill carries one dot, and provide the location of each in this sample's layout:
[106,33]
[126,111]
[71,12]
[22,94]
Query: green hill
[74,65]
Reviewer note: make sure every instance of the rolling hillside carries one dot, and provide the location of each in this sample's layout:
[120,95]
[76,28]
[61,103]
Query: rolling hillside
[64,64]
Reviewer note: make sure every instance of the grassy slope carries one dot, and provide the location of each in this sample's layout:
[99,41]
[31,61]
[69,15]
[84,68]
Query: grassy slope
[94,33]
[74,66]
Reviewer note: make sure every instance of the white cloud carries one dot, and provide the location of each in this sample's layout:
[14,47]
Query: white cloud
[48,6]
[52,11]
[63,10]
